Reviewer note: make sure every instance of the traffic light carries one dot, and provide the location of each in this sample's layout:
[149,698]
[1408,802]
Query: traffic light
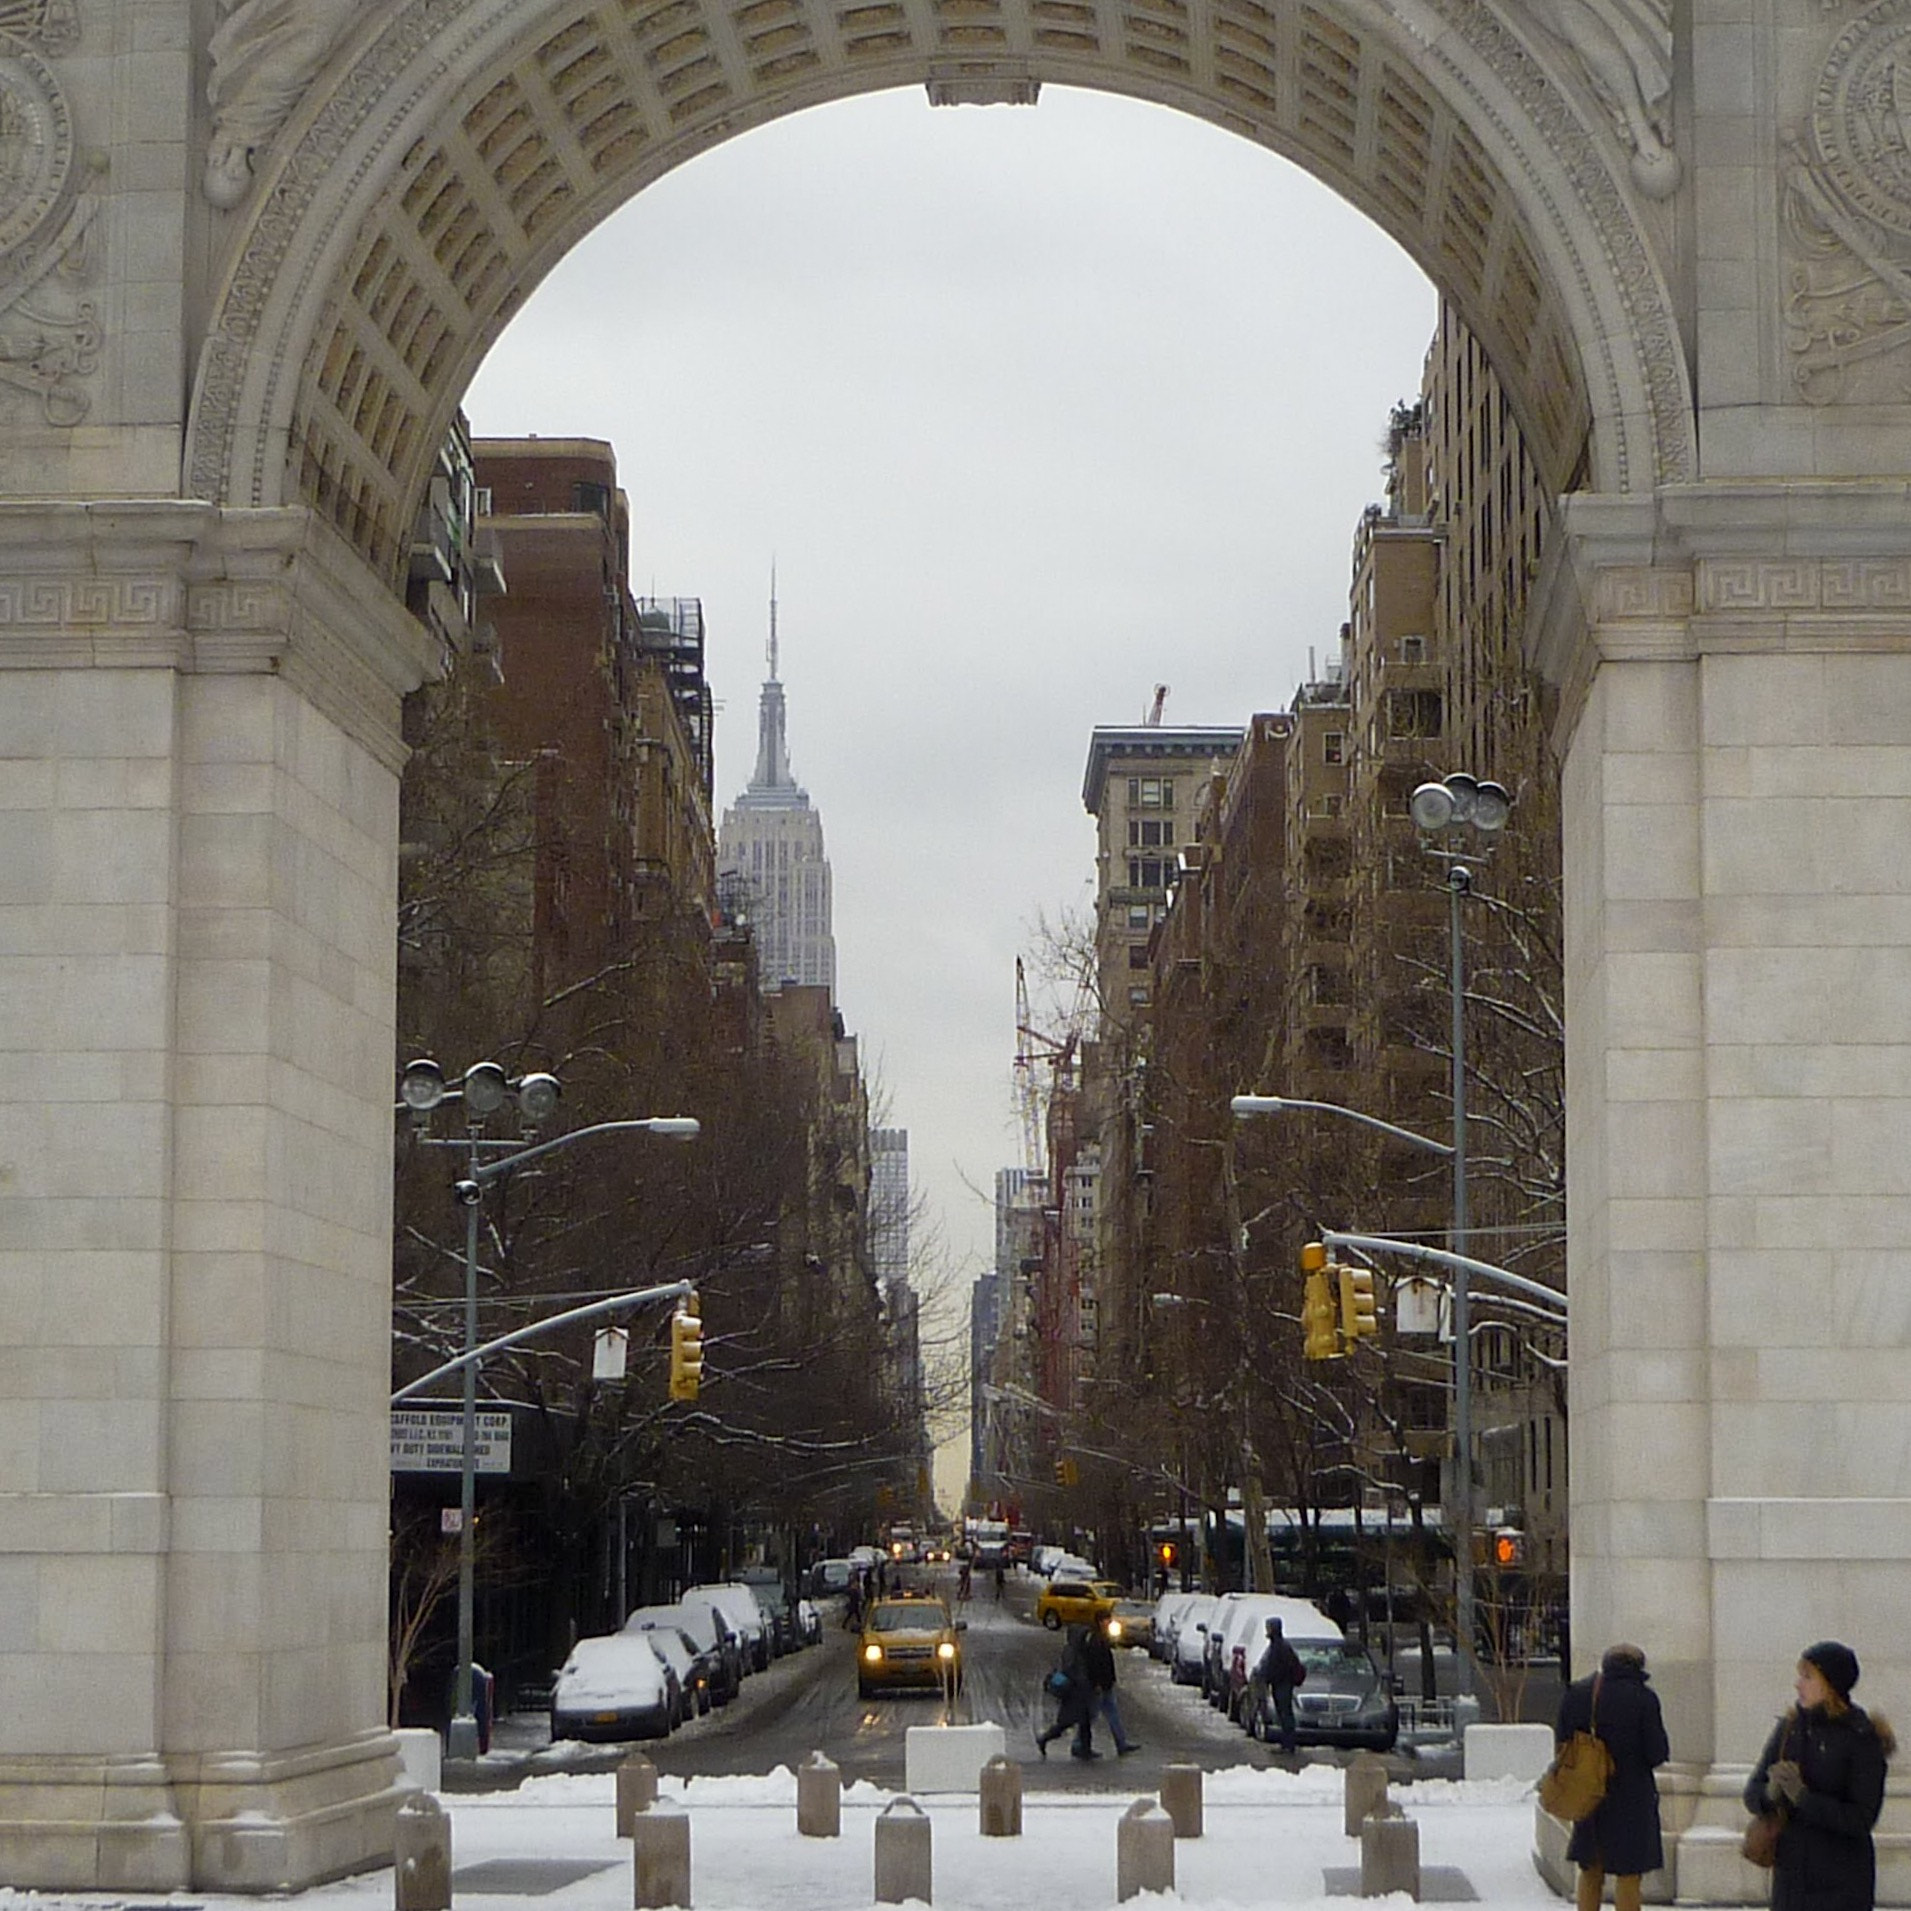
[1319,1319]
[686,1350]
[1359,1315]
[1509,1547]
[1166,1553]
[1067,1473]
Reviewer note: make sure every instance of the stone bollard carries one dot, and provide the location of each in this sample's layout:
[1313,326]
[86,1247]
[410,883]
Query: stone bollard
[1366,1791]
[1001,1799]
[1181,1798]
[904,1860]
[1144,1850]
[819,1798]
[421,1855]
[1389,1854]
[636,1790]
[660,1852]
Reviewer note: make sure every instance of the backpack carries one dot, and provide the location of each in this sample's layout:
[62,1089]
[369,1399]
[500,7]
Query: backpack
[1574,1784]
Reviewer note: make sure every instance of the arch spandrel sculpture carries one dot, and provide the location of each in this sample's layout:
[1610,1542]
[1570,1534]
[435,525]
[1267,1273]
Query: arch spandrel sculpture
[1695,291]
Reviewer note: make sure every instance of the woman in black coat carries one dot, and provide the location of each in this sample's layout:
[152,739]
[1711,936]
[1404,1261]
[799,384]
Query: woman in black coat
[1622,1835]
[1823,1770]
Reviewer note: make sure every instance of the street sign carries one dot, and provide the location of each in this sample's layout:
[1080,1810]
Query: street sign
[431,1440]
[451,1519]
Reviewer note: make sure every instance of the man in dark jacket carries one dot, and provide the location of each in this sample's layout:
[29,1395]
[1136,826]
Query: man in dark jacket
[1278,1672]
[1621,1837]
[1098,1656]
[1824,1769]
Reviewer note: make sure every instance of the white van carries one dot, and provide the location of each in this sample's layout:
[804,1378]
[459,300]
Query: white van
[737,1603]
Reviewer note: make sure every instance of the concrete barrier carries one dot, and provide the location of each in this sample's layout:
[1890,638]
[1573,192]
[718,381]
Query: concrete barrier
[1506,1751]
[905,1856]
[1144,1850]
[1001,1799]
[819,1798]
[421,1855]
[421,1758]
[949,1758]
[1389,1855]
[1366,1790]
[1181,1798]
[660,1858]
[636,1790]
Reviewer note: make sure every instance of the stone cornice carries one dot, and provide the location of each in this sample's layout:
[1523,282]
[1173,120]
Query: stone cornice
[1706,570]
[200,590]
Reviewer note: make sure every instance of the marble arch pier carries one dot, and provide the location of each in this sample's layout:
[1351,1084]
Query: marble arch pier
[251,252]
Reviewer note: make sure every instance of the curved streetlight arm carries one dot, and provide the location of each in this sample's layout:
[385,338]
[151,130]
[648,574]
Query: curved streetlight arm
[671,1290]
[1244,1106]
[667,1127]
[1415,1250]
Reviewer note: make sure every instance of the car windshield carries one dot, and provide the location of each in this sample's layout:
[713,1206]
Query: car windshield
[914,1616]
[1343,1663]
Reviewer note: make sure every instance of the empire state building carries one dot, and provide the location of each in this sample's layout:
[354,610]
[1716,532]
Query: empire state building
[773,841]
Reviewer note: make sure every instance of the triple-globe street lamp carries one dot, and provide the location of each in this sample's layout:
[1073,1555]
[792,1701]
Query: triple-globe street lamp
[483,1091]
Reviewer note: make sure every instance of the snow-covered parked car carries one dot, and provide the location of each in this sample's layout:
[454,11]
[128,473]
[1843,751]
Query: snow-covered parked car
[611,1688]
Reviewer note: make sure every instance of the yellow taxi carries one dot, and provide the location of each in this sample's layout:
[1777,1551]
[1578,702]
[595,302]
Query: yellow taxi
[909,1641]
[1067,1601]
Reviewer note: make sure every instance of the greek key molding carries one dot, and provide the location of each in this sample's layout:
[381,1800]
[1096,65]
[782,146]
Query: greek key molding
[1622,596]
[1738,585]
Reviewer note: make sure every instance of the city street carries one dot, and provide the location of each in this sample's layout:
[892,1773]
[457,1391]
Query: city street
[808,1702]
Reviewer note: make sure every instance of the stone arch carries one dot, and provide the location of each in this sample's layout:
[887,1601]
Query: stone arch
[456,151]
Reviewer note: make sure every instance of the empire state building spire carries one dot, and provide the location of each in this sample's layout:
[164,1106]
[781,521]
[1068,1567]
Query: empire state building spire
[773,840]
[772,739]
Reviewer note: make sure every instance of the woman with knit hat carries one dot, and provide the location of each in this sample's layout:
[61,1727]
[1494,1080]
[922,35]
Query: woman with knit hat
[1823,1771]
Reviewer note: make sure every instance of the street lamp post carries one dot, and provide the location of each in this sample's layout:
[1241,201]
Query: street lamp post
[1475,813]
[484,1090]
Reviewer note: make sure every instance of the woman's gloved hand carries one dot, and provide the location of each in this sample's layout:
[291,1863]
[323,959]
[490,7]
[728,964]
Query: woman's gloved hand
[1784,1780]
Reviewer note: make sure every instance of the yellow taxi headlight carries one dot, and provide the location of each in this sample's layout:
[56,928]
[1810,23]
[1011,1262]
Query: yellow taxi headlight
[1114,1628]
[872,1653]
[946,1650]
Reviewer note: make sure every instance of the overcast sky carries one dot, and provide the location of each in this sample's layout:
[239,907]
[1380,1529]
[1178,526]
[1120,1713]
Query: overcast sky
[1034,409]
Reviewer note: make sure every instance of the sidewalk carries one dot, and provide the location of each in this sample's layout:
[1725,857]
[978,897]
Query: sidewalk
[1269,1838]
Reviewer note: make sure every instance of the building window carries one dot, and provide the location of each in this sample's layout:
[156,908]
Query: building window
[1137,955]
[1138,996]
[1330,803]
[1413,650]
[1415,713]
[1138,915]
[1333,746]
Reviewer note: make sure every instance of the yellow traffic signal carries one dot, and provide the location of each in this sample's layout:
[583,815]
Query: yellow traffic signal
[686,1350]
[1359,1314]
[1318,1319]
[1509,1547]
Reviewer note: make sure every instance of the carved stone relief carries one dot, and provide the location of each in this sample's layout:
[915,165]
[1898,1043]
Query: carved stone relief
[265,53]
[49,329]
[1624,48]
[1847,219]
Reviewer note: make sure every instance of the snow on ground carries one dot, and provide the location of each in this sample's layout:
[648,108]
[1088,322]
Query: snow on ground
[1269,1834]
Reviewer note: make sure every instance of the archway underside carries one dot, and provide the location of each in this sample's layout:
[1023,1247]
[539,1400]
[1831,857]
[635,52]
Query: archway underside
[603,96]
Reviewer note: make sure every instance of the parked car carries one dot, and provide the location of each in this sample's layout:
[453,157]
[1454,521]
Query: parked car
[719,1649]
[1166,1625]
[738,1605]
[829,1578]
[683,1663]
[911,1641]
[1074,1601]
[1244,1638]
[611,1688]
[778,1608]
[1189,1658]
[1344,1700]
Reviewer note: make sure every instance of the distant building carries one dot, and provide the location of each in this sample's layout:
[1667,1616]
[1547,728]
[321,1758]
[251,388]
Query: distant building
[770,851]
[602,701]
[889,1203]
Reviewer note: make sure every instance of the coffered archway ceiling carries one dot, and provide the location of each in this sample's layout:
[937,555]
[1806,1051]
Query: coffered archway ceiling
[459,148]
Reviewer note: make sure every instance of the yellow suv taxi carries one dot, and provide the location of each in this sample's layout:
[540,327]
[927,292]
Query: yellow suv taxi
[909,1642]
[1075,1602]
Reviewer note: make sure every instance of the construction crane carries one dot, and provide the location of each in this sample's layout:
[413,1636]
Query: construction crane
[1152,721]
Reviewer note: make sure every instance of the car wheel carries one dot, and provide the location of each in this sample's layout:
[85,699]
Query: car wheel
[1052,1620]
[863,1690]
